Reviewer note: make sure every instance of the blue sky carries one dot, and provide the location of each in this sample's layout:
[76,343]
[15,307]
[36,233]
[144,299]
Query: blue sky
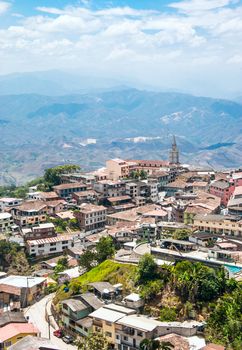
[187,45]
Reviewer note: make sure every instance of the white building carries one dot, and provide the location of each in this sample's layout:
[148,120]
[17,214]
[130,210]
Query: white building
[6,221]
[6,203]
[48,246]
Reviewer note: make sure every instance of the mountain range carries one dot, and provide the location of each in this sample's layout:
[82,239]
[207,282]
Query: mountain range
[39,131]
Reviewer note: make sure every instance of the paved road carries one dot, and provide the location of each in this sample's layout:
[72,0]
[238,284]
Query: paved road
[36,315]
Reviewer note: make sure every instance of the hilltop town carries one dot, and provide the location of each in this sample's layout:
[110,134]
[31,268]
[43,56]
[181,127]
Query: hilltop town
[139,253]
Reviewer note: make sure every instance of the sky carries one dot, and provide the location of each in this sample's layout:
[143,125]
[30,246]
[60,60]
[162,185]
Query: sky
[185,45]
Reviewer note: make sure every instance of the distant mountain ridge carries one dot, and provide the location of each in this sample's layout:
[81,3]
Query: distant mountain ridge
[40,131]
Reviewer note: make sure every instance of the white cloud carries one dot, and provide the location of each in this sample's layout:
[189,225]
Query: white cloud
[200,5]
[181,49]
[4,7]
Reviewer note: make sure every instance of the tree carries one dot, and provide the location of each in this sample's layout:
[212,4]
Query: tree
[224,324]
[62,264]
[168,314]
[165,345]
[95,341]
[87,259]
[105,249]
[8,252]
[182,234]
[151,344]
[143,174]
[52,176]
[151,289]
[147,269]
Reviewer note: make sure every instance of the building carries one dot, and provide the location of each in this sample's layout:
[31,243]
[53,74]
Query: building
[66,190]
[41,231]
[235,202]
[34,343]
[131,329]
[219,224]
[48,246]
[29,213]
[12,317]
[110,188]
[174,153]
[105,318]
[48,196]
[147,232]
[118,169]
[89,196]
[134,301]
[19,291]
[75,312]
[223,189]
[6,203]
[14,332]
[91,217]
[6,222]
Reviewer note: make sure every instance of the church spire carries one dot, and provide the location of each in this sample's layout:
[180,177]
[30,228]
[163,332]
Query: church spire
[174,152]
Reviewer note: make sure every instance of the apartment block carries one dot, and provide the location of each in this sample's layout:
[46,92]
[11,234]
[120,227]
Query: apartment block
[48,246]
[91,217]
[219,224]
[66,190]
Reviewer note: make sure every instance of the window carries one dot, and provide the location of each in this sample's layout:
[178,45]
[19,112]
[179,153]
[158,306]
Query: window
[52,244]
[108,323]
[108,334]
[117,336]
[52,249]
[139,334]
[126,338]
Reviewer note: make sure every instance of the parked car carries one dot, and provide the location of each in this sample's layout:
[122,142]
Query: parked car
[68,339]
[58,333]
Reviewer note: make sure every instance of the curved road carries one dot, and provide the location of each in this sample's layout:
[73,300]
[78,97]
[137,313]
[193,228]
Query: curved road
[36,313]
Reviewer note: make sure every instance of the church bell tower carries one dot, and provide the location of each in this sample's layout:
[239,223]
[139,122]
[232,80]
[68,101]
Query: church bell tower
[174,153]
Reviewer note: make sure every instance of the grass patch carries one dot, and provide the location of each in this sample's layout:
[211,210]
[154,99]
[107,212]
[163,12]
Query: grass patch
[108,271]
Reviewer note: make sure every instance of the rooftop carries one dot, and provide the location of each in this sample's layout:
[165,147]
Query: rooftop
[220,184]
[139,322]
[10,317]
[9,199]
[13,329]
[92,300]
[5,216]
[48,195]
[34,343]
[102,287]
[91,208]
[107,315]
[22,281]
[32,206]
[74,304]
[69,185]
[66,215]
[58,238]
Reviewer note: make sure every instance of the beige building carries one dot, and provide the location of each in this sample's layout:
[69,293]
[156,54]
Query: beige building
[30,213]
[219,224]
[91,217]
[104,320]
[118,168]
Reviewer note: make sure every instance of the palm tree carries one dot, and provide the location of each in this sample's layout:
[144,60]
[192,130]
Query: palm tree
[150,344]
[165,345]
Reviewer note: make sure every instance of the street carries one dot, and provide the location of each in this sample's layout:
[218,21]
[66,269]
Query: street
[36,313]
